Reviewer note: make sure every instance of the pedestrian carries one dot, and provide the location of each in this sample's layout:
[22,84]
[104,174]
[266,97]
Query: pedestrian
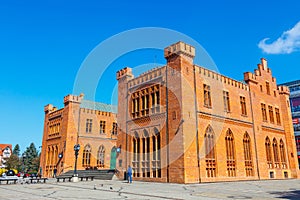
[54,172]
[129,174]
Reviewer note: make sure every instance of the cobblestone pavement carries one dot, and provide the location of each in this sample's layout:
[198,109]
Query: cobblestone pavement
[98,189]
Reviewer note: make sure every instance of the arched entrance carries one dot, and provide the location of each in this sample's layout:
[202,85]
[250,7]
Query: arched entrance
[113,157]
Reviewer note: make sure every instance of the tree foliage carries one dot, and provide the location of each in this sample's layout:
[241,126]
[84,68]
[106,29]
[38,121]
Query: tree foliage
[16,150]
[30,159]
[13,162]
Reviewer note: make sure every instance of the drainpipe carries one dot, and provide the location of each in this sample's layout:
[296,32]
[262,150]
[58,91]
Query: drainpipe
[167,124]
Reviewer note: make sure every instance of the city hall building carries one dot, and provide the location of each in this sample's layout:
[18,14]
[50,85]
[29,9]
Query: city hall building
[183,123]
[90,124]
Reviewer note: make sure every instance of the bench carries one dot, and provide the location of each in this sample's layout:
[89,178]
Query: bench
[37,180]
[86,178]
[70,177]
[8,180]
[64,178]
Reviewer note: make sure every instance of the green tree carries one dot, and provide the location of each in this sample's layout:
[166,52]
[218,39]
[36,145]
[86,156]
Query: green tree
[13,162]
[16,150]
[30,157]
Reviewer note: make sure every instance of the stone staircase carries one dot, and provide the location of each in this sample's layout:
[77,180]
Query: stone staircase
[98,174]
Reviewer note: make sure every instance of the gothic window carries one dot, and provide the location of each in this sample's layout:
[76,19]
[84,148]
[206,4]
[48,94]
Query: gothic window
[102,127]
[264,112]
[207,96]
[230,154]
[210,156]
[88,127]
[136,155]
[243,105]
[115,128]
[156,162]
[277,113]
[248,155]
[271,114]
[282,154]
[275,152]
[269,152]
[101,156]
[226,101]
[86,157]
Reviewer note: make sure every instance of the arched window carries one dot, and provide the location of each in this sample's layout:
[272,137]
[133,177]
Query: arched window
[230,154]
[248,155]
[48,156]
[136,155]
[86,158]
[268,152]
[55,155]
[210,157]
[52,156]
[282,154]
[146,154]
[101,156]
[276,154]
[156,162]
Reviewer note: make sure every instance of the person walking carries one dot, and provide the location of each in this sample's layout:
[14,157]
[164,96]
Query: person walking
[54,172]
[129,174]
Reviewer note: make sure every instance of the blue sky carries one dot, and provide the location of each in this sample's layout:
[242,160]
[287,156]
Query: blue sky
[44,43]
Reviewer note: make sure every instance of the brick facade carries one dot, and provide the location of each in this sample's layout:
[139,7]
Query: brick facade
[183,123]
[78,122]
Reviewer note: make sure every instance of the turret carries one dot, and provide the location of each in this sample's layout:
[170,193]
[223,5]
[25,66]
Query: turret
[180,49]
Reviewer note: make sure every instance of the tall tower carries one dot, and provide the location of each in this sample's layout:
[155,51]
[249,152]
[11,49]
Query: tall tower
[181,114]
[123,76]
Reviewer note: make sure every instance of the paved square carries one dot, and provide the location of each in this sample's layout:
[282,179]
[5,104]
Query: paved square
[99,189]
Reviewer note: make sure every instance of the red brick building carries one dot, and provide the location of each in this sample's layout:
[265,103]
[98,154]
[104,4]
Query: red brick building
[184,123]
[90,124]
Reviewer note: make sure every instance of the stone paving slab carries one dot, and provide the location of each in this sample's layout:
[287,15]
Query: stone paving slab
[100,189]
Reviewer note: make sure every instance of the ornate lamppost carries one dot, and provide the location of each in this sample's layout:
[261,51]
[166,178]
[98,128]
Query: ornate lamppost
[75,175]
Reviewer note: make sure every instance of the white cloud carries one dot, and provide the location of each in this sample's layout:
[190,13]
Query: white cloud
[287,43]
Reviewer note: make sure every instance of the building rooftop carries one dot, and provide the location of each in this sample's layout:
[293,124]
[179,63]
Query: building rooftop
[291,83]
[98,106]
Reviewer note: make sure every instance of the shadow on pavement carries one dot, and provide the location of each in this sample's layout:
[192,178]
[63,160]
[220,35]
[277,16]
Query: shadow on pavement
[292,194]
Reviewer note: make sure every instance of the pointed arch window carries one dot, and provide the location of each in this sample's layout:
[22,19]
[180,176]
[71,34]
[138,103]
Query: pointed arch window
[269,153]
[210,156]
[230,155]
[276,154]
[248,155]
[136,155]
[86,157]
[156,154]
[101,156]
[282,155]
[146,154]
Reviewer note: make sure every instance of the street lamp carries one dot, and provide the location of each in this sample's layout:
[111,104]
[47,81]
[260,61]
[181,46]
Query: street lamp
[76,149]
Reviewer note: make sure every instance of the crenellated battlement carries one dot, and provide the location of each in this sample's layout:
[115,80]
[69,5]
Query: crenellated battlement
[73,98]
[147,76]
[248,76]
[55,114]
[125,72]
[179,48]
[49,108]
[283,90]
[221,78]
